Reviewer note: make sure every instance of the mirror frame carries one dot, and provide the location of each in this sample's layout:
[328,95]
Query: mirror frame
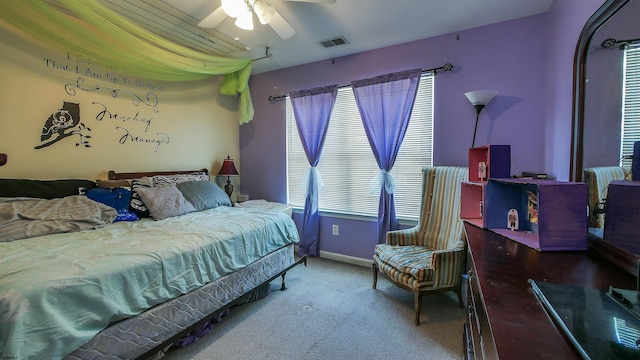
[604,13]
[618,256]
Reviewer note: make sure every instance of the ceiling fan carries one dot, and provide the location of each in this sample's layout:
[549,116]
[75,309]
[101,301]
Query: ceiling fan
[241,10]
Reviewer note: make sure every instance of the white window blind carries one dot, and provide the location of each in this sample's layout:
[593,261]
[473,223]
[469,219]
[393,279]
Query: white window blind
[630,104]
[347,164]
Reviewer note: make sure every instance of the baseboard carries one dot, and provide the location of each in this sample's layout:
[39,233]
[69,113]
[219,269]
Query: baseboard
[343,258]
[346,258]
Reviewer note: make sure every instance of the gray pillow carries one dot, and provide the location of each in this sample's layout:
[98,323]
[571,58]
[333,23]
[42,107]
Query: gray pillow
[164,201]
[30,217]
[204,194]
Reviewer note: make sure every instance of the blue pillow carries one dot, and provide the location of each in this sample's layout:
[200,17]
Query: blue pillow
[117,198]
[204,194]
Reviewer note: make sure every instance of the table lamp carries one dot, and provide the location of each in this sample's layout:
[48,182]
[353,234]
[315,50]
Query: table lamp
[228,169]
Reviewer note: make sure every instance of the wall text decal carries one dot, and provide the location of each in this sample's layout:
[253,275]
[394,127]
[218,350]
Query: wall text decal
[104,113]
[134,127]
[161,138]
[127,136]
[151,99]
[83,65]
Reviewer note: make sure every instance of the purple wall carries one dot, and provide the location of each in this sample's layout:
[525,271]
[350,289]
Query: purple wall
[356,237]
[510,57]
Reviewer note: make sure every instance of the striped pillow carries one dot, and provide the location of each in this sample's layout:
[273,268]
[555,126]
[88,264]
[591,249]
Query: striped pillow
[163,180]
[136,204]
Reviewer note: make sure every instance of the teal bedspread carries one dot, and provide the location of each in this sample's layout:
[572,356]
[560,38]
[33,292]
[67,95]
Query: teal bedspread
[58,291]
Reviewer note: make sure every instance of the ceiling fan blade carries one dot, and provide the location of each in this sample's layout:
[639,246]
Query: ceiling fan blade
[282,27]
[316,1]
[214,19]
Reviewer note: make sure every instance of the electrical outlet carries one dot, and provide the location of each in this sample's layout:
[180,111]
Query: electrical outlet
[335,230]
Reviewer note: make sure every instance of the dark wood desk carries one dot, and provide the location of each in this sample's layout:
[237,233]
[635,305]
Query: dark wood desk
[519,327]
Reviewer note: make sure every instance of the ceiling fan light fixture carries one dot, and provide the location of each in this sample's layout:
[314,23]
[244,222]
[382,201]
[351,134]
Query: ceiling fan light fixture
[264,11]
[233,8]
[245,20]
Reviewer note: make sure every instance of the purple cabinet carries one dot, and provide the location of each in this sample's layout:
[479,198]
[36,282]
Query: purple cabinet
[621,226]
[551,215]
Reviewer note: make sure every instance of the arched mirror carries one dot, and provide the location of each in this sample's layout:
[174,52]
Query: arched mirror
[600,148]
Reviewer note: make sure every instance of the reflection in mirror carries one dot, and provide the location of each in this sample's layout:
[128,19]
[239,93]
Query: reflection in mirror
[610,66]
[602,140]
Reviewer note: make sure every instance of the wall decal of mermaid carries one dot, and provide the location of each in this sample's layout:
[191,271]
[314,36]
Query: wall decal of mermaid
[63,123]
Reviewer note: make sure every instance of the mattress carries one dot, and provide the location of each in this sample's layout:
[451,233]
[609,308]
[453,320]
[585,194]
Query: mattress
[59,291]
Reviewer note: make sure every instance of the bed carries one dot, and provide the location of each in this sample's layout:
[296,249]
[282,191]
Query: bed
[129,289]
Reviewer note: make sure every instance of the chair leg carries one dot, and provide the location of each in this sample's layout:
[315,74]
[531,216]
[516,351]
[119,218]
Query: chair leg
[417,298]
[375,275]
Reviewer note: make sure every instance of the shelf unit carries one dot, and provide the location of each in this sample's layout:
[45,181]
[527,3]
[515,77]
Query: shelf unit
[559,222]
[496,158]
[497,161]
[472,196]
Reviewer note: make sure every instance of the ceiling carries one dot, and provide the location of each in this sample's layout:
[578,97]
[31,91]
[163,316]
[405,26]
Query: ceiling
[365,24]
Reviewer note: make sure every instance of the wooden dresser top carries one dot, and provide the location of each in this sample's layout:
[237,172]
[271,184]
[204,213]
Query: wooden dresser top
[520,325]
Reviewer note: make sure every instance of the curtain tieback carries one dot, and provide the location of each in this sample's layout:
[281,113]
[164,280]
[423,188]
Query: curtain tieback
[312,174]
[383,179]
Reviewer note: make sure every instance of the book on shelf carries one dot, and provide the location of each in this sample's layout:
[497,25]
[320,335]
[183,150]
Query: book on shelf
[533,175]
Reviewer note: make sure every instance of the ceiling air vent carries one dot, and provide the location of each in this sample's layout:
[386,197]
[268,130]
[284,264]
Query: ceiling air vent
[334,42]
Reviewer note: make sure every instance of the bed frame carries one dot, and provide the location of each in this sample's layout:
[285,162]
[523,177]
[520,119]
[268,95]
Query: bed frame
[112,175]
[218,294]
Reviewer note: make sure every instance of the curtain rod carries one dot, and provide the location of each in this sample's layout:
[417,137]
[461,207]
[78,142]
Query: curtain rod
[445,67]
[266,55]
[611,42]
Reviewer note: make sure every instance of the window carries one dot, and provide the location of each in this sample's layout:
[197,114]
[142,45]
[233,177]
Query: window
[630,104]
[347,164]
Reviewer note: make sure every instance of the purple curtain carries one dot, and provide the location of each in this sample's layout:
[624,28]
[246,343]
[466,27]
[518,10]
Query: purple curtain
[385,104]
[312,110]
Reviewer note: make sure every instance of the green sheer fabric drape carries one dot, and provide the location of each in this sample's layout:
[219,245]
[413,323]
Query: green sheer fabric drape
[98,32]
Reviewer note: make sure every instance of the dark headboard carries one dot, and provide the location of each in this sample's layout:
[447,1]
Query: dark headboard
[135,175]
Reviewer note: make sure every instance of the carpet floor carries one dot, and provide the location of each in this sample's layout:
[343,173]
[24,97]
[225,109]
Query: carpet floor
[330,311]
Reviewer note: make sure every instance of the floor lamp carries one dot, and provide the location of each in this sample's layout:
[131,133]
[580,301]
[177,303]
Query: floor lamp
[479,99]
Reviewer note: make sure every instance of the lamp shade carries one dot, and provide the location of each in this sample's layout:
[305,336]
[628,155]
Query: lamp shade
[245,20]
[3,159]
[228,168]
[233,8]
[480,97]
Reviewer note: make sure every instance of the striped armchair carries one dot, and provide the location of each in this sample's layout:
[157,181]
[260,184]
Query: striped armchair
[598,179]
[430,256]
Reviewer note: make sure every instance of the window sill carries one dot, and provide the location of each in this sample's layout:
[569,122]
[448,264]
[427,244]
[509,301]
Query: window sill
[402,222]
